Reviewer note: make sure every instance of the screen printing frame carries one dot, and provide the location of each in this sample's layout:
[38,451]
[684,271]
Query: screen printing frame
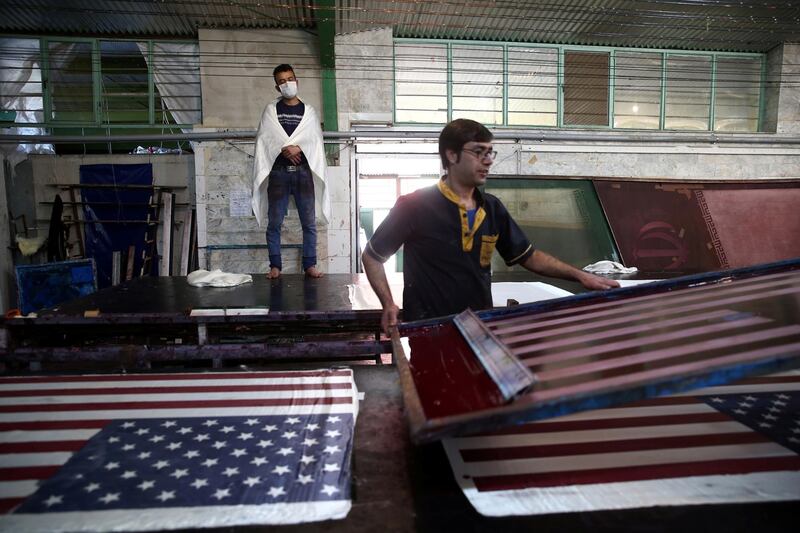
[426,429]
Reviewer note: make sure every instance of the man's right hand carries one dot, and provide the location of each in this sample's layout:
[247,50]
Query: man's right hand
[389,318]
[293,153]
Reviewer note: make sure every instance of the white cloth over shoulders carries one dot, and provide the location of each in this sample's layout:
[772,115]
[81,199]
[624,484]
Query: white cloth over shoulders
[271,138]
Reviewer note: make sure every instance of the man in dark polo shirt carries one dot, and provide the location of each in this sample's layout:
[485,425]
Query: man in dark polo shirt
[450,231]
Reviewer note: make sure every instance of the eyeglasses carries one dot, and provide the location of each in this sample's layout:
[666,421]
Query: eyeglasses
[482,153]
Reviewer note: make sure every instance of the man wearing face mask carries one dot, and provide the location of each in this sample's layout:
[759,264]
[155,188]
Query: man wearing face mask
[290,158]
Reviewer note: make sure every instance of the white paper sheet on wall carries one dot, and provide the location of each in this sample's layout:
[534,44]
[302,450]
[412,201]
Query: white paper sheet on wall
[240,204]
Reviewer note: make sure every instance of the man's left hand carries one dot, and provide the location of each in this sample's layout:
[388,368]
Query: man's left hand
[293,153]
[597,283]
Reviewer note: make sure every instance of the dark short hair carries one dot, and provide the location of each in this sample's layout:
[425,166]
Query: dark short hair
[458,133]
[283,67]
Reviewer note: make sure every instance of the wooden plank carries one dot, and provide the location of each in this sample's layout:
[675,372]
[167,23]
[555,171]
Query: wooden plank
[131,260]
[77,226]
[186,243]
[166,235]
[116,259]
[151,233]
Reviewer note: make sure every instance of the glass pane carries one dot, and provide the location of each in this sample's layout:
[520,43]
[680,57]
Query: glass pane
[162,114]
[532,87]
[176,73]
[478,83]
[410,166]
[637,90]
[738,91]
[21,79]
[688,92]
[377,192]
[124,82]
[71,81]
[586,88]
[563,217]
[421,83]
[409,185]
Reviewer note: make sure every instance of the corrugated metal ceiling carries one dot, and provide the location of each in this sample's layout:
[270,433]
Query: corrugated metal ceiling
[689,24]
[178,18]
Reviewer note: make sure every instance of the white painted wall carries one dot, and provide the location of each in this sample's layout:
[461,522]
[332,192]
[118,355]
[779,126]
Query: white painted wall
[236,72]
[364,77]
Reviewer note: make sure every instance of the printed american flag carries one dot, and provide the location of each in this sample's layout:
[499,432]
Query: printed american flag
[733,443]
[168,451]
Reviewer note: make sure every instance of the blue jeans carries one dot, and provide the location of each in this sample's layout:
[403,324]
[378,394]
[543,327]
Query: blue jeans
[300,184]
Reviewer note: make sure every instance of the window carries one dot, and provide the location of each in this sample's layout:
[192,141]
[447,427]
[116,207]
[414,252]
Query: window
[517,85]
[125,88]
[738,90]
[637,90]
[380,185]
[478,83]
[21,79]
[421,83]
[585,89]
[688,92]
[532,86]
[71,86]
[88,83]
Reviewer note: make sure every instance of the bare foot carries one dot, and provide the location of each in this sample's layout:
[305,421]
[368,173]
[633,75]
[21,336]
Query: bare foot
[274,273]
[312,272]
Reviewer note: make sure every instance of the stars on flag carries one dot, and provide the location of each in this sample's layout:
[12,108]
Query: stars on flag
[770,413]
[199,483]
[276,491]
[166,495]
[330,490]
[150,463]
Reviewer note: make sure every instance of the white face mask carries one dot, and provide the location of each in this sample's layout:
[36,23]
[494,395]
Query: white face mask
[288,89]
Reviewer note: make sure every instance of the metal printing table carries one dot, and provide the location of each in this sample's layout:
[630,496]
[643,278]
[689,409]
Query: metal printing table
[165,319]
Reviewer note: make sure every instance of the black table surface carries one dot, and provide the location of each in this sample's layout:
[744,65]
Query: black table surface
[174,295]
[290,292]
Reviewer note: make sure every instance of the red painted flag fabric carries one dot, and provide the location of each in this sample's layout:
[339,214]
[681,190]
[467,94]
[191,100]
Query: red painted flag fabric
[733,443]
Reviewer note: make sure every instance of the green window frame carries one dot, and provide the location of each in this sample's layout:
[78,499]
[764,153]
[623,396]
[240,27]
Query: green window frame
[533,90]
[94,96]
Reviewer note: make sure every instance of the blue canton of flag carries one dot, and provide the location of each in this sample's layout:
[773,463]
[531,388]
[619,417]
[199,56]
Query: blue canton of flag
[774,414]
[193,462]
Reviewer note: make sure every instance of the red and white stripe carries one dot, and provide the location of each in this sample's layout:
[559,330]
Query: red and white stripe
[664,451]
[45,419]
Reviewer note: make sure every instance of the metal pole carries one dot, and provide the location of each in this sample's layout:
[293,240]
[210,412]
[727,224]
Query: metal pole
[502,135]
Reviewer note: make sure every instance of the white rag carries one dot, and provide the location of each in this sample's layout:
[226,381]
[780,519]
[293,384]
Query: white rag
[217,278]
[29,245]
[609,267]
[271,138]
